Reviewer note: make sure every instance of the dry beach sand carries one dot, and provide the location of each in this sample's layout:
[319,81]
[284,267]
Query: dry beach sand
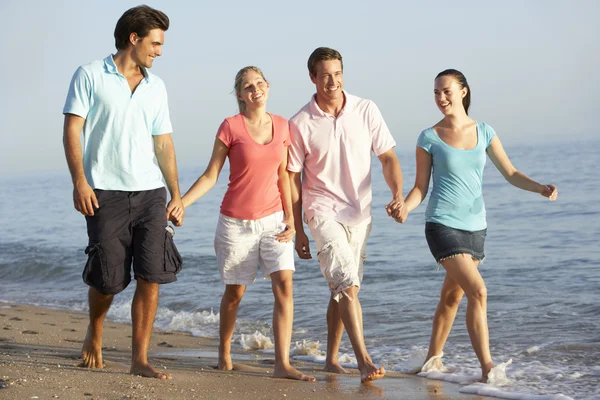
[40,351]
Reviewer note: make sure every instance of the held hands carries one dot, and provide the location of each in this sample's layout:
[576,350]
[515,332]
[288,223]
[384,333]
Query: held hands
[549,191]
[397,209]
[84,198]
[302,247]
[175,211]
[288,234]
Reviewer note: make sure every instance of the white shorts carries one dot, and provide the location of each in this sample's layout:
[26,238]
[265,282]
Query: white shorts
[243,245]
[341,251]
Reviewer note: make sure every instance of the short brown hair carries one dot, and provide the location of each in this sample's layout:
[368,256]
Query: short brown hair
[141,20]
[322,54]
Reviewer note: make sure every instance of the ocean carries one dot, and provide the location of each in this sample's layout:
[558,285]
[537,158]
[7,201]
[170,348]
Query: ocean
[542,271]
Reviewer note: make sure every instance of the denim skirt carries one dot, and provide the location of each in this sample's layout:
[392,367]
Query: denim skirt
[445,242]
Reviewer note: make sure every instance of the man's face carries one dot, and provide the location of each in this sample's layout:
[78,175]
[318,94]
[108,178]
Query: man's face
[146,49]
[329,80]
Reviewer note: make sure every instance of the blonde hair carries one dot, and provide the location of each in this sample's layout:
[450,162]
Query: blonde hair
[237,86]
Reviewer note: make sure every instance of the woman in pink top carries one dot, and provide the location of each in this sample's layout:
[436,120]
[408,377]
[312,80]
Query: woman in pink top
[256,224]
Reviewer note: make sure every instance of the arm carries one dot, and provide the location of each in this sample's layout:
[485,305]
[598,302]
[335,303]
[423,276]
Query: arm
[419,191]
[84,198]
[210,176]
[302,245]
[283,182]
[516,178]
[393,177]
[165,155]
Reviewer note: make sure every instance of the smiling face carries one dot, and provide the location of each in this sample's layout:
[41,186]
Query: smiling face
[329,80]
[146,49]
[449,95]
[253,89]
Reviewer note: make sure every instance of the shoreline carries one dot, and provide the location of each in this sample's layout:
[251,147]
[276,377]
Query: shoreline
[40,350]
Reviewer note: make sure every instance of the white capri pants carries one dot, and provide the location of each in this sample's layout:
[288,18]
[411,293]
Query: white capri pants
[244,245]
[341,250]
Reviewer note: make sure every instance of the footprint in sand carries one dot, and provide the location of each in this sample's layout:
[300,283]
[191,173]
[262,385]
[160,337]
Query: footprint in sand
[70,330]
[30,332]
[16,319]
[72,340]
[164,344]
[40,313]
[47,323]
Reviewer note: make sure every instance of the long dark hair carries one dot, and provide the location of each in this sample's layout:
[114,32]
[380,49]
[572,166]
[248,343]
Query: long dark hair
[462,81]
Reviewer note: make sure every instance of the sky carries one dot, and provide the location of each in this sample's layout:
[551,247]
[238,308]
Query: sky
[532,64]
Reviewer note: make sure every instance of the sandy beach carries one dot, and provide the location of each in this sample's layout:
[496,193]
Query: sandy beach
[40,353]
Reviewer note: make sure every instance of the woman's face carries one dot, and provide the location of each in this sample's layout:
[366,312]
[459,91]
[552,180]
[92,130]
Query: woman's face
[254,90]
[449,95]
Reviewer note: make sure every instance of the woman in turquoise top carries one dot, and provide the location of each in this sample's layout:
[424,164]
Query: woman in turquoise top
[454,151]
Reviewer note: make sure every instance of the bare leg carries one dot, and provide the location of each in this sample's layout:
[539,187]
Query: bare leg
[143,312]
[351,312]
[91,353]
[228,315]
[335,330]
[463,271]
[283,318]
[450,298]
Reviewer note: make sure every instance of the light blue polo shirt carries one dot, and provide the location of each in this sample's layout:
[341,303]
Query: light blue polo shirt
[456,198]
[118,149]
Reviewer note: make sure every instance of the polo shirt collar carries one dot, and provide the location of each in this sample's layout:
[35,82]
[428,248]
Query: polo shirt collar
[316,112]
[111,68]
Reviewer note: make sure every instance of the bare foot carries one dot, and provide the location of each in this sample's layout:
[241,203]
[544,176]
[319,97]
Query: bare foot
[225,363]
[91,353]
[485,370]
[371,373]
[433,364]
[290,372]
[147,371]
[335,368]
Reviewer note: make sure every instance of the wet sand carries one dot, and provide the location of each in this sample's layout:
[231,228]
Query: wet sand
[40,352]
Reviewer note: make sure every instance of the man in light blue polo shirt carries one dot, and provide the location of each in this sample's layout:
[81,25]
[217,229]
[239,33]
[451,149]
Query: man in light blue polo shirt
[118,185]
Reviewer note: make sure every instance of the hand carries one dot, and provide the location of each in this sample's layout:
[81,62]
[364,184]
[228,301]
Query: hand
[288,234]
[302,247]
[84,198]
[550,191]
[175,211]
[400,215]
[397,209]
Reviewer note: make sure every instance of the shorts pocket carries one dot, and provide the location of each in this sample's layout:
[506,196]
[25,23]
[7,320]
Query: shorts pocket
[95,273]
[107,267]
[173,260]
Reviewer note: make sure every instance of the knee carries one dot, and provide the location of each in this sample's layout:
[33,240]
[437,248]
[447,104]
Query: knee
[233,296]
[284,289]
[479,294]
[451,299]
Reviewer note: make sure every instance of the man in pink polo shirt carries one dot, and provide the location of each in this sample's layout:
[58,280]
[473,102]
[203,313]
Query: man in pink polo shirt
[332,138]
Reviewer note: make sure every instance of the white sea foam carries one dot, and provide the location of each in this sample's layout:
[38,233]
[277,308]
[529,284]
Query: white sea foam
[306,348]
[255,341]
[346,360]
[416,358]
[492,391]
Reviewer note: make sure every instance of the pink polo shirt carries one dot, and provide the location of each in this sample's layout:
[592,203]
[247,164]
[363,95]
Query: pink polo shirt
[253,192]
[334,156]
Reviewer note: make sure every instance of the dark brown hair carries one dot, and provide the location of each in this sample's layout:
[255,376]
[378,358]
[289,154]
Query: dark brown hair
[462,82]
[141,20]
[322,54]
